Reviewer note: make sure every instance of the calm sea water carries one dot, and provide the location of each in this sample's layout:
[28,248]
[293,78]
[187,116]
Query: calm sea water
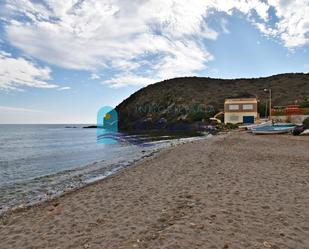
[40,161]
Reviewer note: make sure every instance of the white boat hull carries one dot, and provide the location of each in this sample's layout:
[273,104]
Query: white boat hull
[269,132]
[275,131]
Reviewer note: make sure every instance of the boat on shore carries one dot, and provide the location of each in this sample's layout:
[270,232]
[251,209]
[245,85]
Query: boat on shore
[253,126]
[274,131]
[281,128]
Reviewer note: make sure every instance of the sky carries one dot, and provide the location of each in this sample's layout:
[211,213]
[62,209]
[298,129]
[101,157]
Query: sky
[61,61]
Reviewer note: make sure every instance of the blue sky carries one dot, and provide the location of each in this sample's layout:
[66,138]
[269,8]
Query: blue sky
[60,61]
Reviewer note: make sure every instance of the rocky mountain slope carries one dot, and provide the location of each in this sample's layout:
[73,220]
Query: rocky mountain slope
[192,98]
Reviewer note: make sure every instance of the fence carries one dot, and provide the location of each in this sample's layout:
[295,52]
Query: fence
[290,111]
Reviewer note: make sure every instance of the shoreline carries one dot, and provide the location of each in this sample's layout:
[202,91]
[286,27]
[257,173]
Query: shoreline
[168,144]
[230,191]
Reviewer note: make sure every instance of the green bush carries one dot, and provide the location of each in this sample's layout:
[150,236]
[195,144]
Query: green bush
[306,121]
[196,116]
[263,109]
[231,126]
[304,104]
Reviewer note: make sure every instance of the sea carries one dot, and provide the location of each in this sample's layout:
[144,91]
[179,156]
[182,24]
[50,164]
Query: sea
[38,162]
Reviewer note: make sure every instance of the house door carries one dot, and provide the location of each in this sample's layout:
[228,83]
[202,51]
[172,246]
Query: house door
[248,119]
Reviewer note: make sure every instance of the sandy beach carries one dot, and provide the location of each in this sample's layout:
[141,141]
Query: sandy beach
[230,191]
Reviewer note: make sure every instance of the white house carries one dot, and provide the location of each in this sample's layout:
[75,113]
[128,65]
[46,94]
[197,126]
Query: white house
[240,110]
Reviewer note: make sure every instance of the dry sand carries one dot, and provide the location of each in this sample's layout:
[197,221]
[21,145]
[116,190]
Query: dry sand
[232,191]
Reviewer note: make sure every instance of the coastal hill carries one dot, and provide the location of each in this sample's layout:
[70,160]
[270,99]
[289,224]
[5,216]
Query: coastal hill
[176,100]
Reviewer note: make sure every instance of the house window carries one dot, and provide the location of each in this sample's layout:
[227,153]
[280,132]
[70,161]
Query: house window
[233,107]
[247,107]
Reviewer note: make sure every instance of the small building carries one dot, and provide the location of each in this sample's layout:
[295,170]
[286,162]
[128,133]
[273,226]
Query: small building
[241,110]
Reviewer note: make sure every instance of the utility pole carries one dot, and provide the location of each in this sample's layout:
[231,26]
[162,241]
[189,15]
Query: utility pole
[270,106]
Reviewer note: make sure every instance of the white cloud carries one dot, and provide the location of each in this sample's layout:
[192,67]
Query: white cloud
[266,29]
[293,24]
[94,76]
[18,72]
[64,88]
[129,79]
[139,40]
[224,26]
[96,35]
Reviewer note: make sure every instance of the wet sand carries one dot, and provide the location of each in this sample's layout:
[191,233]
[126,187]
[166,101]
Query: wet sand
[231,191]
